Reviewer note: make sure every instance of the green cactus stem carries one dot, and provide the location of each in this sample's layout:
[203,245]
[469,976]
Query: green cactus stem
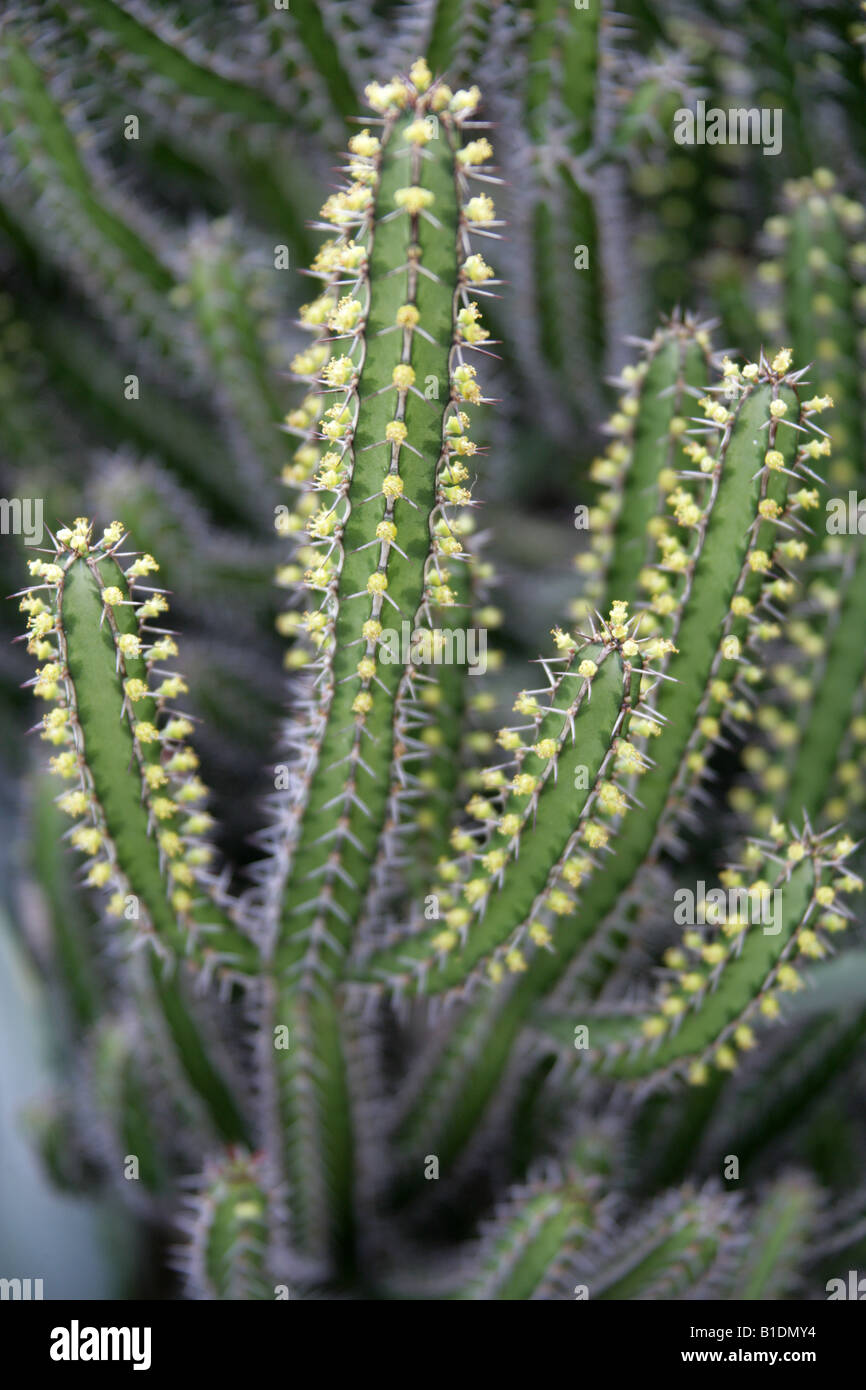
[399,325]
[231,1231]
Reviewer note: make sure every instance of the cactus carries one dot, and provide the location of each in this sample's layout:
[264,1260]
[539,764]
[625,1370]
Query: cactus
[441,1034]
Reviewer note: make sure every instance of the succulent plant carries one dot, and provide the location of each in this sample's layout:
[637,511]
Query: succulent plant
[486,1016]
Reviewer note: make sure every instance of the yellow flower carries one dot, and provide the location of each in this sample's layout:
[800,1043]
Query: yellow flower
[480,209]
[524,784]
[414,199]
[403,376]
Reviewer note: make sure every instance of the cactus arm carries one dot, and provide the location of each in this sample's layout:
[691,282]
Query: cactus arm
[351,742]
[677,1244]
[815,280]
[563,64]
[45,122]
[106,243]
[122,1107]
[191,94]
[141,34]
[833,705]
[73,930]
[316,35]
[404,449]
[539,75]
[140,842]
[780,1230]
[454,1096]
[459,32]
[583,720]
[694,702]
[198,1067]
[78,361]
[223,293]
[727,984]
[90,640]
[537,1232]
[561,95]
[720,571]
[229,1232]
[676,371]
[314,1115]
[639,464]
